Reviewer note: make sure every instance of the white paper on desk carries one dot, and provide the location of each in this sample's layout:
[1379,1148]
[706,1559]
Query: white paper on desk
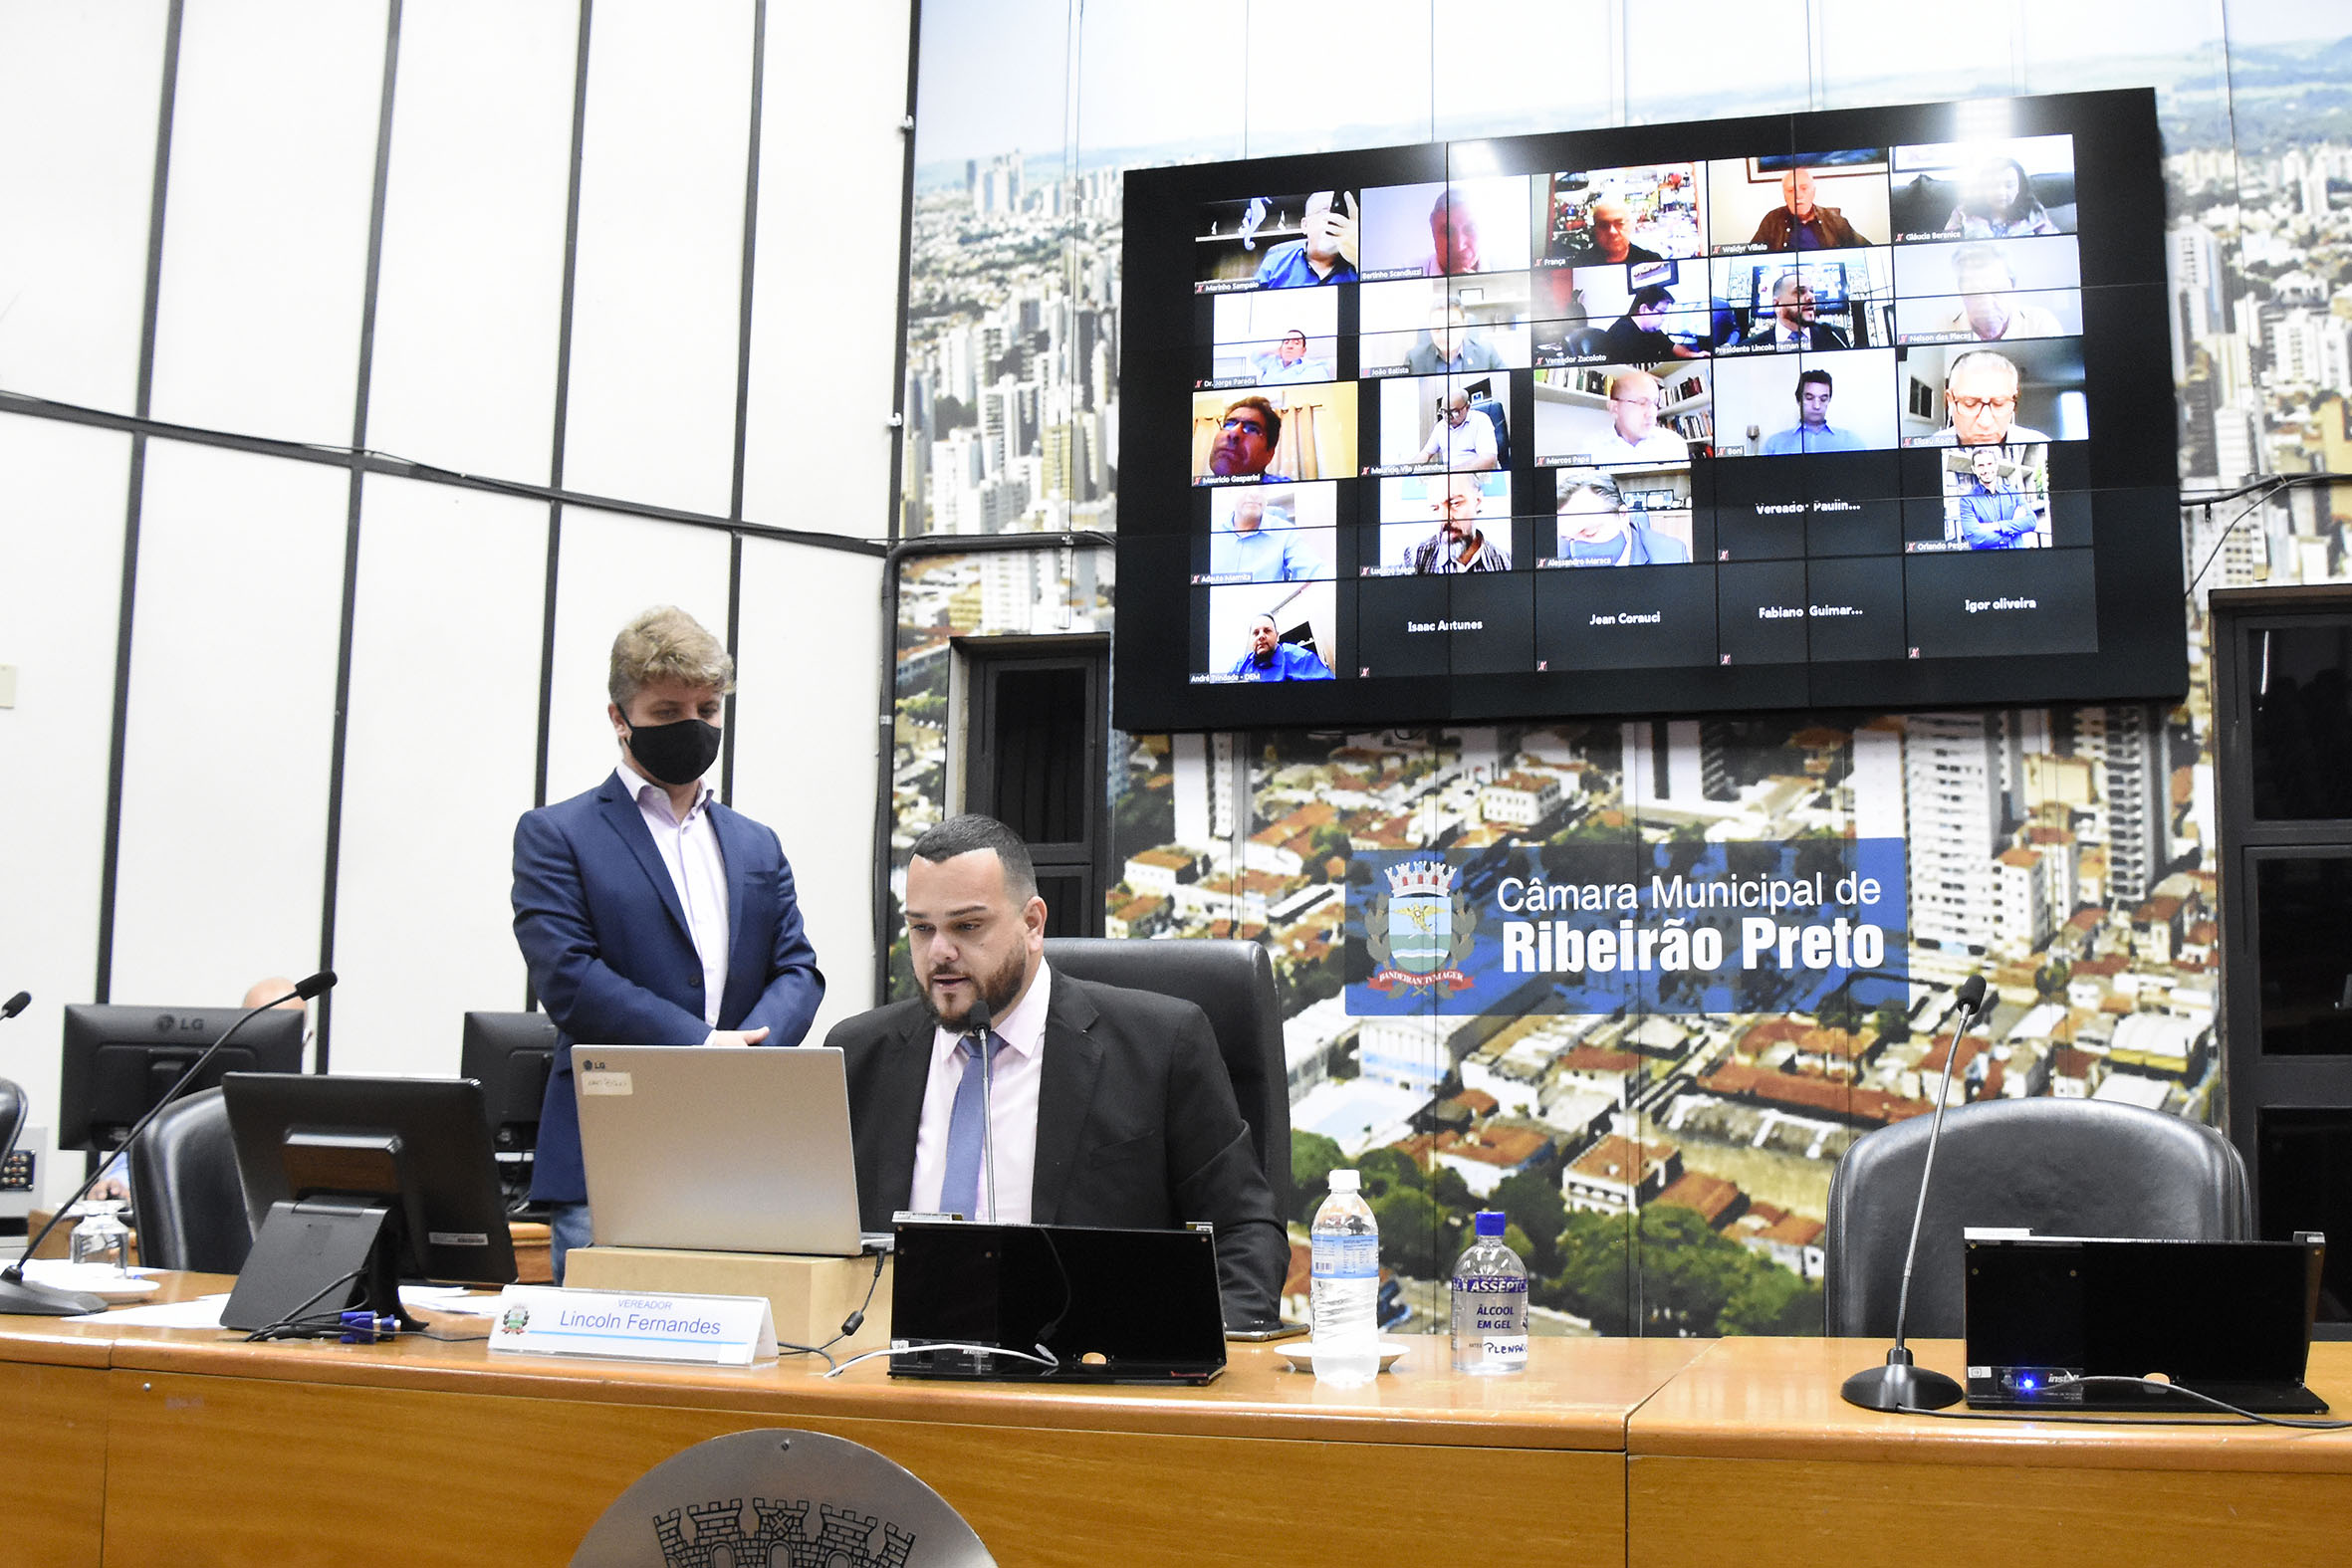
[458,1300]
[201,1312]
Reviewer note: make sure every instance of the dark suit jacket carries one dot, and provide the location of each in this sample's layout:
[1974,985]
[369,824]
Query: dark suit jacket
[1136,1127]
[1818,335]
[614,962]
[1779,223]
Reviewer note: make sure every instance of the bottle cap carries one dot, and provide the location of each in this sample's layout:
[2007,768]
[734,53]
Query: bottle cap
[1490,1223]
[1347,1181]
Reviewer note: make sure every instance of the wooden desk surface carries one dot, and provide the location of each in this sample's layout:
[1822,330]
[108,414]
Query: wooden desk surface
[1750,1455]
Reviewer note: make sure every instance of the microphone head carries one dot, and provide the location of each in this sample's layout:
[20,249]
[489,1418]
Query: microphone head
[325,980]
[16,1005]
[1972,992]
[981,1015]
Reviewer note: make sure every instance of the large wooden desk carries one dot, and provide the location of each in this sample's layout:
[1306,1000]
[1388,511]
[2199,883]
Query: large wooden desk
[1749,1456]
[197,1449]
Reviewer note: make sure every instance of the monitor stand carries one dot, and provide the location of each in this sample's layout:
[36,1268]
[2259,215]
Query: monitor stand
[312,1257]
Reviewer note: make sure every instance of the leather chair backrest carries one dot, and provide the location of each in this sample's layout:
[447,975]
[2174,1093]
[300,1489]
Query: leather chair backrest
[12,1115]
[1230,979]
[2059,1167]
[186,1191]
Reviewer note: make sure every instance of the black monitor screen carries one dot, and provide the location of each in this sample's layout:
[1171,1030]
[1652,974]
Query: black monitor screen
[420,1145]
[119,1061]
[1874,406]
[510,1054]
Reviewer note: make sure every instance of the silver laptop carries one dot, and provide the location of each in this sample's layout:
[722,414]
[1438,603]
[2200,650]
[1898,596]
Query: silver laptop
[717,1148]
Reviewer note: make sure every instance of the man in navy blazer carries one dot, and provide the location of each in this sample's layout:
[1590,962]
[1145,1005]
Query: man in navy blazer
[649,913]
[1108,1106]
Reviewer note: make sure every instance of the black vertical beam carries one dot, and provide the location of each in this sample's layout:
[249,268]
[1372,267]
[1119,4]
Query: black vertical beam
[350,524]
[109,867]
[742,369]
[554,515]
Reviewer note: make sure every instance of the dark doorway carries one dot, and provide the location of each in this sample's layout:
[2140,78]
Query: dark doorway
[1037,725]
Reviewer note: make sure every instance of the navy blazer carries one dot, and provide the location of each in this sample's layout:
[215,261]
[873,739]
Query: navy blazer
[1137,1127]
[612,959]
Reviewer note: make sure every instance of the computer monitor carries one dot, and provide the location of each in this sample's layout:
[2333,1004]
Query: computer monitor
[510,1054]
[352,1184]
[119,1061]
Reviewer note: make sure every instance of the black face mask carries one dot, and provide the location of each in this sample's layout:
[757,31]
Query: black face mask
[675,753]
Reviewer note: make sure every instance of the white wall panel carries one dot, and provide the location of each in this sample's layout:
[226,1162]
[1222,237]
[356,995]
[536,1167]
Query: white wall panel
[824,316]
[807,744]
[470,297]
[230,723]
[437,765]
[658,277]
[264,232]
[62,489]
[611,567]
[79,89]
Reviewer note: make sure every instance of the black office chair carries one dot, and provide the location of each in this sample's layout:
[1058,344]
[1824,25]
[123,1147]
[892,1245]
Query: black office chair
[1231,980]
[12,1116]
[2059,1167]
[813,1498]
[186,1191]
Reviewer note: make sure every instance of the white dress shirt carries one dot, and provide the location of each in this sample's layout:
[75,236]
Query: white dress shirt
[1013,1108]
[690,851]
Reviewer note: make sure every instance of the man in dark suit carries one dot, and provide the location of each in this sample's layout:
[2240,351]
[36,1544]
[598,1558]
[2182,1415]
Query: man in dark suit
[1104,1106]
[649,913]
[1791,323]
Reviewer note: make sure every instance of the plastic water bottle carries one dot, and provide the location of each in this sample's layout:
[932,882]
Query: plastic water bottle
[1345,1244]
[1489,1303]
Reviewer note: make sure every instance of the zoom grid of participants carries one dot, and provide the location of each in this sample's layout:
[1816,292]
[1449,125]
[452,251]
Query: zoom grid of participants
[1438,383]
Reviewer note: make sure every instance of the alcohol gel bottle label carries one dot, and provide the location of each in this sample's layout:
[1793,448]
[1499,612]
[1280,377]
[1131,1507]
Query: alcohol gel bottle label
[1506,1347]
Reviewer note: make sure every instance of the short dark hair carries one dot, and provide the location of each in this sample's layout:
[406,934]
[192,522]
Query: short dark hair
[1652,293]
[1266,414]
[962,836]
[1599,481]
[1822,376]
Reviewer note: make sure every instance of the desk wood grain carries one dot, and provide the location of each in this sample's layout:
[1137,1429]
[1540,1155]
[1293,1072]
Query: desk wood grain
[53,1483]
[1751,1456]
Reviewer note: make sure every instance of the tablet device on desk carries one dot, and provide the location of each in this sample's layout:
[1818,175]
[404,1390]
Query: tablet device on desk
[1105,1306]
[718,1148]
[2229,1319]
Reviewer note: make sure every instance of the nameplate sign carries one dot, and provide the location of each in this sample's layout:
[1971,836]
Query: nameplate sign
[723,1331]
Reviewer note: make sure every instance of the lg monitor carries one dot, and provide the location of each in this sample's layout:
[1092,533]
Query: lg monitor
[119,1061]
[353,1183]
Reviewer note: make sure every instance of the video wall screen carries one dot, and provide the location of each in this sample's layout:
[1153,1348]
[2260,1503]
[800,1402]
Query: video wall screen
[1866,408]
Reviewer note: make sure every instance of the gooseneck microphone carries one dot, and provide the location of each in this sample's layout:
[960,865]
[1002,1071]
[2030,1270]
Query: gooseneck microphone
[15,1004]
[16,1294]
[1900,1385]
[978,1021]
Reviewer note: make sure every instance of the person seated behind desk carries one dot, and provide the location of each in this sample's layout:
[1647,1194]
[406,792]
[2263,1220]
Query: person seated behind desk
[1107,1107]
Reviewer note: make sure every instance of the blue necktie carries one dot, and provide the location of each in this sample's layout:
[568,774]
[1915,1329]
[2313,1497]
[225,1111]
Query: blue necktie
[959,1192]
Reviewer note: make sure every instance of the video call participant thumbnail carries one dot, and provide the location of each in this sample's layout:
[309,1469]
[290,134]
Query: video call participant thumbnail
[1798,224]
[1812,431]
[1793,324]
[1453,235]
[1981,399]
[1991,510]
[1997,203]
[1462,438]
[1633,435]
[1607,237]
[1245,442]
[1598,527]
[1269,658]
[1111,1107]
[1639,336]
[1287,362]
[1260,543]
[1460,542]
[1451,345]
[1325,255]
[1987,308]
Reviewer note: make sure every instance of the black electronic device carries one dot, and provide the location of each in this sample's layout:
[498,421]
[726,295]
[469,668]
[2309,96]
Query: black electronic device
[2079,1323]
[511,1054]
[18,1296]
[1900,1383]
[119,1063]
[1056,1303]
[353,1183]
[1987,276]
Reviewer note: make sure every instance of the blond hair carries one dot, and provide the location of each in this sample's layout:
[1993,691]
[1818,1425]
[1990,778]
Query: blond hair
[666,644]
